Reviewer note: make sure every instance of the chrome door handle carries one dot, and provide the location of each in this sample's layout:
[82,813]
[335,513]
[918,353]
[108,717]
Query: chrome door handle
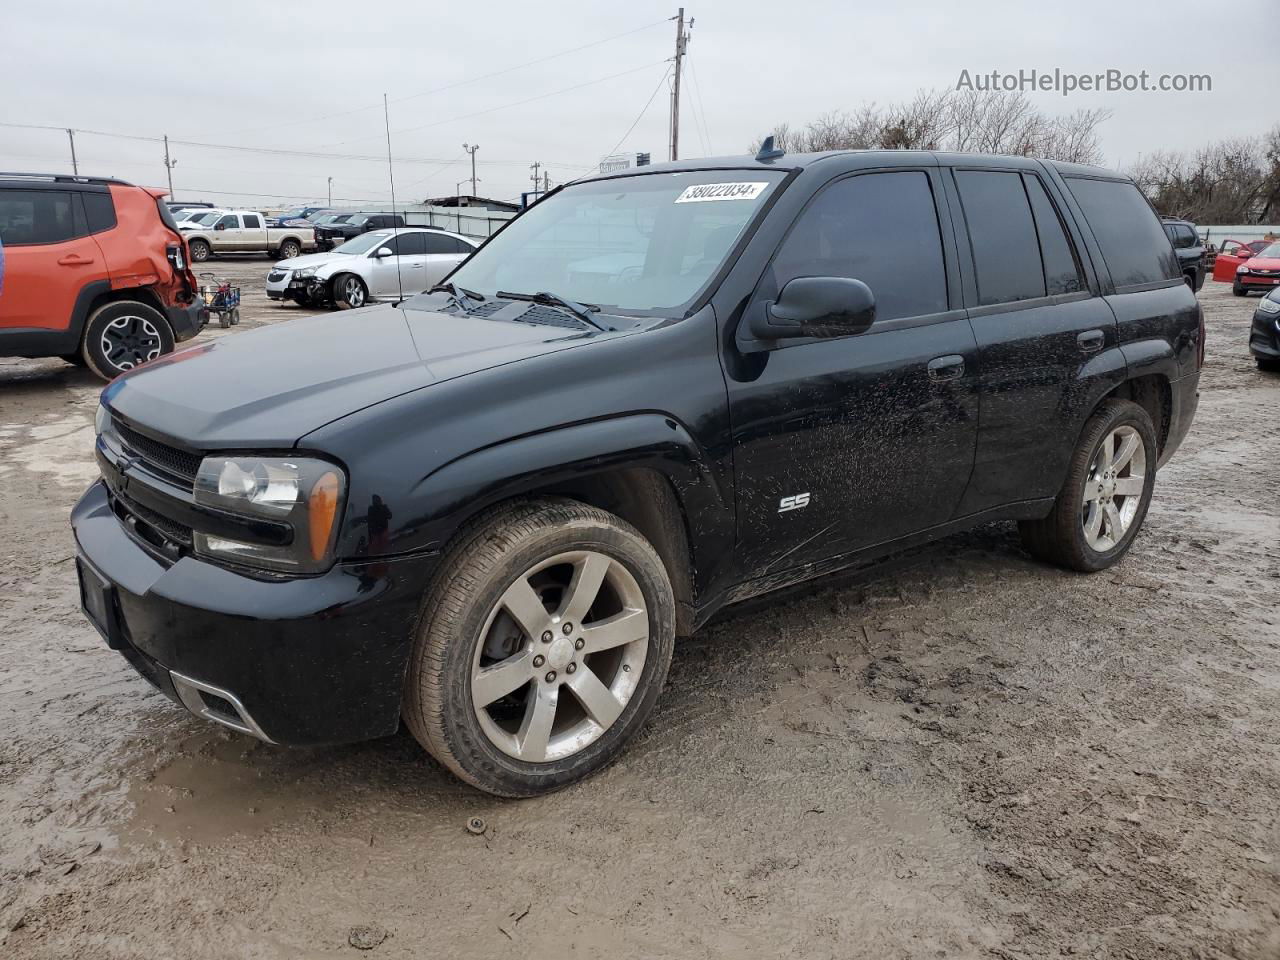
[1091,341]
[950,367]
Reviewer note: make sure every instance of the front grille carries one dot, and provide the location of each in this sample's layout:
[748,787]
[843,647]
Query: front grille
[168,529]
[159,456]
[276,275]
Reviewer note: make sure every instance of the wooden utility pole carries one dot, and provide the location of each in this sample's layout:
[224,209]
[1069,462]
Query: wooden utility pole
[534,167]
[682,40]
[471,149]
[169,165]
[71,135]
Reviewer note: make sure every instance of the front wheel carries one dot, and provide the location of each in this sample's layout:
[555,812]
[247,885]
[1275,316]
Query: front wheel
[349,292]
[1238,289]
[543,646]
[123,335]
[1105,498]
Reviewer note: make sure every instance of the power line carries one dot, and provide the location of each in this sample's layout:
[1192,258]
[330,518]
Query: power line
[704,133]
[643,111]
[459,83]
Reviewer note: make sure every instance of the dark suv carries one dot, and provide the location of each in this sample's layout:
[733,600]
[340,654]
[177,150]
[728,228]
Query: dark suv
[337,233]
[651,395]
[1192,258]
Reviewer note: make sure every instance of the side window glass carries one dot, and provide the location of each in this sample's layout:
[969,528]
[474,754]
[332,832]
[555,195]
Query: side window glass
[99,211]
[1127,230]
[880,228]
[438,243]
[251,221]
[1061,266]
[1002,235]
[30,217]
[229,222]
[412,245]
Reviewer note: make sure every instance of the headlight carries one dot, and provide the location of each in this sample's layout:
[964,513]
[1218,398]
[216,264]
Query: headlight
[101,420]
[1242,269]
[1267,305]
[302,495]
[305,272]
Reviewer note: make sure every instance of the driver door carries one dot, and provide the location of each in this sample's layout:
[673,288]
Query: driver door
[844,443]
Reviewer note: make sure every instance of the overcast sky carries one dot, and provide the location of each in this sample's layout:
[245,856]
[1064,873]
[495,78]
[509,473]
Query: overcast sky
[309,77]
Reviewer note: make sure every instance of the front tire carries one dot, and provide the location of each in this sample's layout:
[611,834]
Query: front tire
[1238,289]
[200,250]
[543,647]
[123,335]
[1268,364]
[1106,494]
[349,292]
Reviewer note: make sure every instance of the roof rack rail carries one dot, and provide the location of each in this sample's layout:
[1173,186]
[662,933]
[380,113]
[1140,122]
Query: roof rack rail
[60,177]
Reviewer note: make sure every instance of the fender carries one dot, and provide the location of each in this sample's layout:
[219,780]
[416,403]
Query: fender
[31,342]
[456,491]
[1151,356]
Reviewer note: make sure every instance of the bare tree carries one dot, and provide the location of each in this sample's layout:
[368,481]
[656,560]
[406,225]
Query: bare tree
[1231,181]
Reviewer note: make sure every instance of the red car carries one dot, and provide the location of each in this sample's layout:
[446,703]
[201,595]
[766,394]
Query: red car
[1260,272]
[1231,254]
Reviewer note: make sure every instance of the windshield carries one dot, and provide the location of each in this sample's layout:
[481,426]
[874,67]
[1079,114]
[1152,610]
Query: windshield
[1272,251]
[295,214]
[362,244]
[207,219]
[633,244]
[358,220]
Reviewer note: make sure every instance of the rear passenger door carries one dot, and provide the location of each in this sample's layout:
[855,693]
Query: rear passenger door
[1046,337]
[253,235]
[443,254]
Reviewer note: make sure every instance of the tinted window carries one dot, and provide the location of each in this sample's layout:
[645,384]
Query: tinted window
[880,228]
[1187,237]
[1006,251]
[251,220]
[36,216]
[439,243]
[1126,228]
[229,222]
[411,244]
[99,211]
[1061,269]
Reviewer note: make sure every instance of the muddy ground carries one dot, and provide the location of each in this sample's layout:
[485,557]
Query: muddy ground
[967,754]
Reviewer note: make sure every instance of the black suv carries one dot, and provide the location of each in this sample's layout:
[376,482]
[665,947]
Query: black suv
[339,232]
[650,395]
[1190,249]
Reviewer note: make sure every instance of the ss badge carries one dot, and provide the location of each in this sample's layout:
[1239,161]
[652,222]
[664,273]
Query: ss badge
[799,501]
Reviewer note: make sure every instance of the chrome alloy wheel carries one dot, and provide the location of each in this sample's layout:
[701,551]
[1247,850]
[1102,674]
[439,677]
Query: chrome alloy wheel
[130,341]
[1113,488]
[560,656]
[353,292]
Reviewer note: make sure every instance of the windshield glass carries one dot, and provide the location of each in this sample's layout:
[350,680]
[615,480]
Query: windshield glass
[633,244]
[362,244]
[1272,251]
[359,220]
[296,214]
[207,219]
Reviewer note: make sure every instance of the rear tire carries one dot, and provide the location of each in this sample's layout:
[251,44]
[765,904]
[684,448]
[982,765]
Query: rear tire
[123,335]
[1102,505]
[289,249]
[200,250]
[349,292]
[588,648]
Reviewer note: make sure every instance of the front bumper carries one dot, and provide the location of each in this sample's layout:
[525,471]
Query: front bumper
[186,319]
[1257,281]
[294,661]
[1264,336]
[287,285]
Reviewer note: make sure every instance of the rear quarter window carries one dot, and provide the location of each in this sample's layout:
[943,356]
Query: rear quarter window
[1131,237]
[99,211]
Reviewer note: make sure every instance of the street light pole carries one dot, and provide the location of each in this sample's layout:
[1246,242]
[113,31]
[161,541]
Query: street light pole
[472,150]
[169,165]
[331,191]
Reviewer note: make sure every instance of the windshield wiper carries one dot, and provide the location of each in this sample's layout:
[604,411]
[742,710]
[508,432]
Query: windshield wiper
[461,295]
[582,311]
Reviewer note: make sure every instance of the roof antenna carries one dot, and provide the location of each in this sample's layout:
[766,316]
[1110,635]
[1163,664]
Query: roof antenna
[768,152]
[391,175]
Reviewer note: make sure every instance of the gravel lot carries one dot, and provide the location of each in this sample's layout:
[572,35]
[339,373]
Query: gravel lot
[963,753]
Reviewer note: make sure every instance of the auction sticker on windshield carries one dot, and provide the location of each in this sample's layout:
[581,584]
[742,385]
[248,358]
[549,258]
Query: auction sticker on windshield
[722,191]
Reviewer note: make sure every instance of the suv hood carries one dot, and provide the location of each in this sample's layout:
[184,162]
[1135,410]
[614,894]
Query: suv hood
[270,387]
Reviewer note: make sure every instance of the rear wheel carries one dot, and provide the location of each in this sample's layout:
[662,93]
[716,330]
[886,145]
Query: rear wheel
[1106,494]
[349,291]
[123,335]
[200,250]
[289,249]
[543,646]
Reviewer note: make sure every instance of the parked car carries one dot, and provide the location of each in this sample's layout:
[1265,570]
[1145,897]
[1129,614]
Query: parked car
[245,231]
[94,272]
[340,231]
[189,218]
[491,509]
[176,206]
[1264,337]
[1260,272]
[295,215]
[1233,253]
[1189,248]
[383,265]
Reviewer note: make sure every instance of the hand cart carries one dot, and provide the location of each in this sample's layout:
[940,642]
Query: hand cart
[221,298]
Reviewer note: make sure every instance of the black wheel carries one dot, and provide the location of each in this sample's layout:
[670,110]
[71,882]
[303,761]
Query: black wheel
[543,647]
[235,316]
[74,359]
[1238,288]
[123,335]
[289,249]
[200,250]
[349,291]
[1191,281]
[1106,494]
[1268,364]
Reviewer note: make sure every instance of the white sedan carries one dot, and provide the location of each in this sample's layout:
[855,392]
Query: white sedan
[381,265]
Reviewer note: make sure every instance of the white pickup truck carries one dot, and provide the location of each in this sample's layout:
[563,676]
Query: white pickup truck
[244,231]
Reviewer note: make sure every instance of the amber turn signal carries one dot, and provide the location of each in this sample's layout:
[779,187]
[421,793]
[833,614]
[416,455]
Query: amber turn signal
[321,513]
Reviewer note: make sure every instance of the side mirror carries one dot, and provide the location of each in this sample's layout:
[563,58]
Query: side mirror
[384,252]
[220,226]
[817,307]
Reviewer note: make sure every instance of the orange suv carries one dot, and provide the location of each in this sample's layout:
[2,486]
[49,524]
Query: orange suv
[92,270]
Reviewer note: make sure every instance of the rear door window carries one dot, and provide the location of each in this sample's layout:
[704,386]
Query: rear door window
[439,243]
[880,228]
[1133,244]
[1061,265]
[30,217]
[1002,236]
[251,221]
